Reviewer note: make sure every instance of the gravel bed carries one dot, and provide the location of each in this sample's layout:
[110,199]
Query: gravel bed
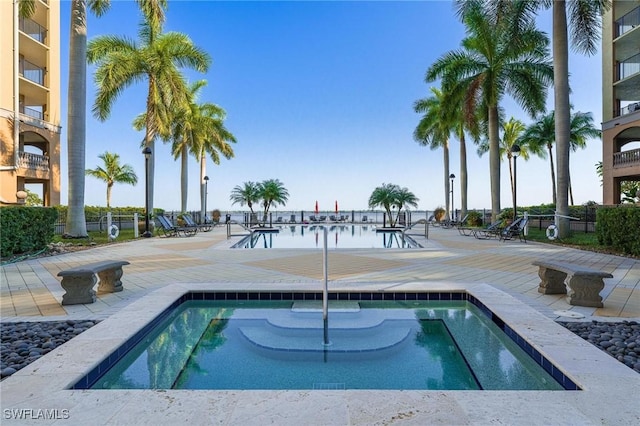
[24,342]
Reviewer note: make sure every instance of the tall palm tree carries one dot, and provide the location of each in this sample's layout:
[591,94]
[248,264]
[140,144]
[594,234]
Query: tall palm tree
[434,129]
[542,134]
[502,53]
[247,193]
[197,129]
[156,59]
[113,172]
[583,18]
[511,135]
[540,137]
[272,192]
[153,10]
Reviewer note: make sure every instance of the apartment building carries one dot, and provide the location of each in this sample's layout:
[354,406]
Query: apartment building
[620,98]
[30,92]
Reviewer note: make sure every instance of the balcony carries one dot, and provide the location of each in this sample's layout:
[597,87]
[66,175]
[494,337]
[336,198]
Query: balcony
[626,158]
[628,22]
[33,113]
[32,72]
[629,67]
[33,29]
[28,160]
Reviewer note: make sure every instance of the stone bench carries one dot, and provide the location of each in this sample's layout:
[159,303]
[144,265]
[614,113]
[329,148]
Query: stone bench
[79,282]
[584,284]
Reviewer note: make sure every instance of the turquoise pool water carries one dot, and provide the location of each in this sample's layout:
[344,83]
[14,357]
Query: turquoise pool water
[339,236]
[373,345]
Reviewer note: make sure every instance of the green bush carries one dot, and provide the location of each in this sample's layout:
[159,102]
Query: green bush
[474,218]
[619,227]
[25,229]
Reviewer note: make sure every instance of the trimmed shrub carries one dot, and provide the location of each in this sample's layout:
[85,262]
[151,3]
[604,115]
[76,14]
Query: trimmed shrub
[619,227]
[26,229]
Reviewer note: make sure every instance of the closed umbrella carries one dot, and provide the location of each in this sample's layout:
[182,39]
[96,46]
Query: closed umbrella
[317,211]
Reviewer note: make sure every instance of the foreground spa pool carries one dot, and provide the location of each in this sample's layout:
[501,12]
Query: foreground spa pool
[408,341]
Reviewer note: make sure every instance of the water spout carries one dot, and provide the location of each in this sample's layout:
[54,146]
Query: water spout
[325,290]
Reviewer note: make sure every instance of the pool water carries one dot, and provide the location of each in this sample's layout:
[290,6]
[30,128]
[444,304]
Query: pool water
[372,345]
[339,236]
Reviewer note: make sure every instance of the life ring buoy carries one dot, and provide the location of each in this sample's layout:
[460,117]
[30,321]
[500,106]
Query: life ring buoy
[552,232]
[113,232]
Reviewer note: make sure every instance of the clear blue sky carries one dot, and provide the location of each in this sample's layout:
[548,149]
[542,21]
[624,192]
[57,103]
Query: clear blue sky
[319,95]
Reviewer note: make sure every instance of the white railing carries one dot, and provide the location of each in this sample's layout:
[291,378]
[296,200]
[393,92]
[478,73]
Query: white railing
[29,160]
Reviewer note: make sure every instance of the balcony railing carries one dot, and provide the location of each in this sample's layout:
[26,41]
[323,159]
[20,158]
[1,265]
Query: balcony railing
[33,29]
[33,113]
[629,67]
[29,160]
[32,72]
[634,107]
[628,22]
[626,158]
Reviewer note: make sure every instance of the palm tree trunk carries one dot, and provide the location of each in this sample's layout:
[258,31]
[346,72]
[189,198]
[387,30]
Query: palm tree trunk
[494,161]
[553,174]
[150,142]
[184,178]
[109,195]
[562,111]
[463,176]
[76,225]
[513,186]
[203,195]
[447,188]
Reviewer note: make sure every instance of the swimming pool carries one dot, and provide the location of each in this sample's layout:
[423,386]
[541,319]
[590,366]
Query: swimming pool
[449,342]
[339,236]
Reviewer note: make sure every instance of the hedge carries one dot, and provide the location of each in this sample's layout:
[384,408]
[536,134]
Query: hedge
[25,229]
[619,227]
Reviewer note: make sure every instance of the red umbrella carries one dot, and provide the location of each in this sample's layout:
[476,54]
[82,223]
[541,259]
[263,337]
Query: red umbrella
[317,211]
[336,206]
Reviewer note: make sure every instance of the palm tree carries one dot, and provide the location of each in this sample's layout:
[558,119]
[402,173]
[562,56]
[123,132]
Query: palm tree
[384,196]
[155,59]
[541,135]
[502,53]
[511,135]
[404,197]
[434,128]
[247,193]
[113,172]
[584,20]
[272,192]
[197,129]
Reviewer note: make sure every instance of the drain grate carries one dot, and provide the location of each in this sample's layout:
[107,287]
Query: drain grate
[328,386]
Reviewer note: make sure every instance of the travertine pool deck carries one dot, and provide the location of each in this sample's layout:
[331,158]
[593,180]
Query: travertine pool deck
[161,269]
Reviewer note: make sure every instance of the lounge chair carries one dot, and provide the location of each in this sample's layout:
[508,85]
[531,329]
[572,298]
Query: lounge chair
[190,223]
[515,229]
[491,231]
[293,219]
[279,219]
[170,230]
[333,218]
[312,218]
[364,218]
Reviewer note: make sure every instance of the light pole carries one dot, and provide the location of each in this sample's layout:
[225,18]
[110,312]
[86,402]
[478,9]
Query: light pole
[206,195]
[515,151]
[452,177]
[147,154]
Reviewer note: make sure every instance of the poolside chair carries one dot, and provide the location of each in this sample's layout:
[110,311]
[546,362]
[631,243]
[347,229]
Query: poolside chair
[190,223]
[279,219]
[364,218]
[312,218]
[491,231]
[333,218]
[515,229]
[293,219]
[170,230]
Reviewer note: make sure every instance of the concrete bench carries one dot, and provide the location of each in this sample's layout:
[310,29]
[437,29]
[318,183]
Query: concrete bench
[584,284]
[79,282]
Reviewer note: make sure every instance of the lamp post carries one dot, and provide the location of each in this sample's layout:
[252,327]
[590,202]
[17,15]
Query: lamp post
[452,177]
[147,154]
[206,195]
[515,151]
